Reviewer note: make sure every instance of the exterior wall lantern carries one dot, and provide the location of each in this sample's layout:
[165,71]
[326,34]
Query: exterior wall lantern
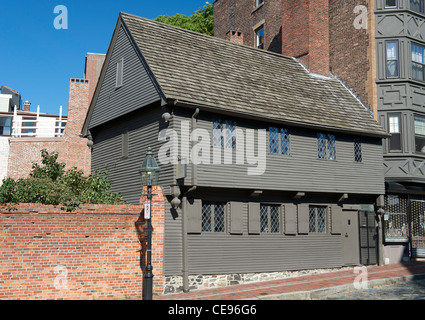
[149,172]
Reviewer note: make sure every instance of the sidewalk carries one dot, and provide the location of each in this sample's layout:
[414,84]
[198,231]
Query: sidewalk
[307,287]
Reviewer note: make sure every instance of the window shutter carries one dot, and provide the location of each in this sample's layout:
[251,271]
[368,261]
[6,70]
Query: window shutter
[336,219]
[290,219]
[254,218]
[303,218]
[236,217]
[194,215]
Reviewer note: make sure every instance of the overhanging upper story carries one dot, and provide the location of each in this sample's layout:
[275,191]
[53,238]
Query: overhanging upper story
[153,69]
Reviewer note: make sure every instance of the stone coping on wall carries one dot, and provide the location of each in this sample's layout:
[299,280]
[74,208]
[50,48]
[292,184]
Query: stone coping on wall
[37,208]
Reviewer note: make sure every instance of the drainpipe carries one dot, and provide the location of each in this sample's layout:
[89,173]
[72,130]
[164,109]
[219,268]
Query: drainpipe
[185,266]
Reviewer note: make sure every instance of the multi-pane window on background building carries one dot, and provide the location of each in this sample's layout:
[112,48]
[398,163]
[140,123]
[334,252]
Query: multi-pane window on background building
[279,141]
[5,126]
[395,130]
[259,35]
[417,5]
[269,219]
[317,219]
[420,134]
[418,62]
[392,58]
[213,217]
[326,146]
[390,3]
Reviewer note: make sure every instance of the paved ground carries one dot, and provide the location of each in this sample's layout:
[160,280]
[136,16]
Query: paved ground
[411,290]
[313,287]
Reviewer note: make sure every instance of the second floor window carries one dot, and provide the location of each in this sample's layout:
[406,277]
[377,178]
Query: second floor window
[390,3]
[395,131]
[358,155]
[326,146]
[392,58]
[279,141]
[420,134]
[224,134]
[417,5]
[418,62]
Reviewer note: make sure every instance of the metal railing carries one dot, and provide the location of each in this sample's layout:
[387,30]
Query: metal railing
[37,126]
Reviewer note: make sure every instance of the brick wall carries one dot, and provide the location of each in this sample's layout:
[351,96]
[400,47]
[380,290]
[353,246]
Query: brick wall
[306,33]
[241,16]
[97,252]
[352,51]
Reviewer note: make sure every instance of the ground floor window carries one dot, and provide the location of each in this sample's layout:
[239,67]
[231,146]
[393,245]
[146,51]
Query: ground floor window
[317,219]
[269,219]
[213,217]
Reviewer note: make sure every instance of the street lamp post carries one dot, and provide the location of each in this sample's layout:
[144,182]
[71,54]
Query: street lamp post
[149,172]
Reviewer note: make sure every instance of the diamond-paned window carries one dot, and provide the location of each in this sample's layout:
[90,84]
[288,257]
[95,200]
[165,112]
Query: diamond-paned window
[317,219]
[217,134]
[326,146]
[274,219]
[229,134]
[269,219]
[274,140]
[264,219]
[219,225]
[213,217]
[224,134]
[358,156]
[285,146]
[279,141]
[206,217]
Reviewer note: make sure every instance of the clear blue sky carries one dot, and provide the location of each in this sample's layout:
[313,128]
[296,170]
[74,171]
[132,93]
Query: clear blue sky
[38,60]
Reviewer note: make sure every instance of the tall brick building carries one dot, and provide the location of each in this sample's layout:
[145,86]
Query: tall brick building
[377,49]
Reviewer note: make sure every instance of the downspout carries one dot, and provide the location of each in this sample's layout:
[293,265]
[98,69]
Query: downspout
[185,267]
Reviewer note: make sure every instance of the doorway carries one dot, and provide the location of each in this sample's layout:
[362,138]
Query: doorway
[350,238]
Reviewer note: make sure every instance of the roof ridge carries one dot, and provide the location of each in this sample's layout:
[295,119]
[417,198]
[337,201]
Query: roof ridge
[213,38]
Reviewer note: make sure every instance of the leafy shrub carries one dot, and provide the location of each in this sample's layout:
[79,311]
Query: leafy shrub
[50,183]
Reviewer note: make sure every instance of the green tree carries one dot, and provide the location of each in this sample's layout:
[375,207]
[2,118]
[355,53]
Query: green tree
[50,183]
[201,20]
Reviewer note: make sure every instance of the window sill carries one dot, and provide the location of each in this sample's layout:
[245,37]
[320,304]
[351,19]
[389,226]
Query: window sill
[257,8]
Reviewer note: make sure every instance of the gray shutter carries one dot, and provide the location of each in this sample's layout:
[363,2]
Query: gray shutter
[336,219]
[290,219]
[194,215]
[254,218]
[236,217]
[303,219]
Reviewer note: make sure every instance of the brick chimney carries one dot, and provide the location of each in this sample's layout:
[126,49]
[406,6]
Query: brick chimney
[305,33]
[94,63]
[27,105]
[235,36]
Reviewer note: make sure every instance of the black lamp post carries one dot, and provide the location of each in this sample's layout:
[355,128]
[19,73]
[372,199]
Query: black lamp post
[150,174]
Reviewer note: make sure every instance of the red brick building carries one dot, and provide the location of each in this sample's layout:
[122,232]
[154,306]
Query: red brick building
[72,148]
[319,33]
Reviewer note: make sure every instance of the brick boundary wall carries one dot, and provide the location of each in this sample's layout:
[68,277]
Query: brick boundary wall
[96,252]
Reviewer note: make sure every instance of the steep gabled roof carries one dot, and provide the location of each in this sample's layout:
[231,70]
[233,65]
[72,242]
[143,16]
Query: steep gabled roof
[198,69]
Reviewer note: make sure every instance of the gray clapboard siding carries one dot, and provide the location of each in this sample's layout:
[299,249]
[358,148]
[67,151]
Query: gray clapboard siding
[302,170]
[142,129]
[215,253]
[137,90]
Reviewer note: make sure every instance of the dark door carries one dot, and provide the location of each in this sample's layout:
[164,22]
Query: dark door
[350,238]
[368,238]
